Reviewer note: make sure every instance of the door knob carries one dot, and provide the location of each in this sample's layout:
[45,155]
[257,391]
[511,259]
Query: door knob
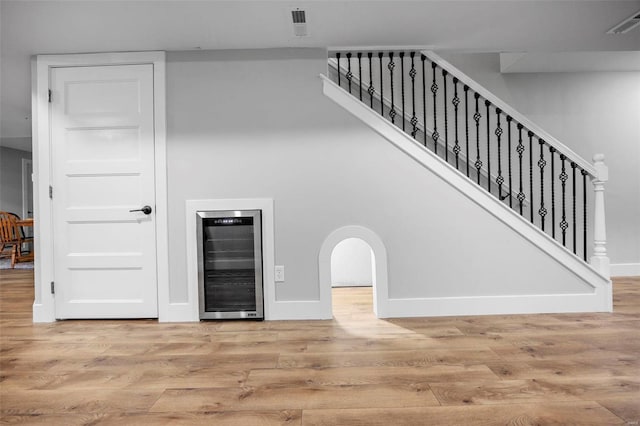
[145,210]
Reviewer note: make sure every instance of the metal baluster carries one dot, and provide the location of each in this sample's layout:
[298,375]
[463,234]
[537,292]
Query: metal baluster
[552,150]
[434,89]
[542,211]
[424,100]
[584,211]
[498,133]
[402,85]
[456,101]
[530,134]
[466,124]
[487,104]
[563,178]
[391,66]
[477,116]
[446,118]
[371,90]
[520,151]
[380,54]
[349,73]
[338,60]
[412,74]
[573,214]
[360,74]
[509,119]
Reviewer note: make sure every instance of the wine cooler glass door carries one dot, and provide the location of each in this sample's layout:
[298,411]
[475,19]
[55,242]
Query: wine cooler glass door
[231,276]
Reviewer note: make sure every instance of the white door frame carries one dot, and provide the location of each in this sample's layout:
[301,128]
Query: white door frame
[43,305]
[26,177]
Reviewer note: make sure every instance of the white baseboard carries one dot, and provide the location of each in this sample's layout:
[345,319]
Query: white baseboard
[42,313]
[179,312]
[599,301]
[300,310]
[284,310]
[625,269]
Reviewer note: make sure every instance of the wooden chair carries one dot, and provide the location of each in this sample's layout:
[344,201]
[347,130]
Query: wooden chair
[12,238]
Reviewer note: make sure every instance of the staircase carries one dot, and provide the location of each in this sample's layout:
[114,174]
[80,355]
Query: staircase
[482,147]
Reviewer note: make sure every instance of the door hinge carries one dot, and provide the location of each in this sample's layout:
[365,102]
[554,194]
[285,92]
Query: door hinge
[53,288]
[50,191]
[49,95]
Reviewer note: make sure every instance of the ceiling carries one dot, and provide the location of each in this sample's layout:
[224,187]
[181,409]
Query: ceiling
[39,27]
[569,61]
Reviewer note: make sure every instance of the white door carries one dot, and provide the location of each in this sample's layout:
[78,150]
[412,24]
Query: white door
[102,145]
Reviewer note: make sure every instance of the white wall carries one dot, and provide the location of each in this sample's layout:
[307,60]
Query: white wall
[11,179]
[351,263]
[591,113]
[255,124]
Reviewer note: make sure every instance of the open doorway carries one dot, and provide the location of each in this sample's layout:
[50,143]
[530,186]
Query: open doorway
[352,271]
[352,264]
[27,188]
[377,264]
[27,199]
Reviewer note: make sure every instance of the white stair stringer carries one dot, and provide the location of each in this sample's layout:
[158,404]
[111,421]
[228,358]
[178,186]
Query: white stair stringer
[598,299]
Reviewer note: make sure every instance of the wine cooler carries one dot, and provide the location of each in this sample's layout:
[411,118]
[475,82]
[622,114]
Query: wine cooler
[230,264]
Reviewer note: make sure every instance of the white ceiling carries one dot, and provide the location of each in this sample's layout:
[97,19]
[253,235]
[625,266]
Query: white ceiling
[569,61]
[52,26]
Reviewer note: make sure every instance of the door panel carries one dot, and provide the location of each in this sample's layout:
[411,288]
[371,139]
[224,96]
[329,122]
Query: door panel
[96,96]
[103,144]
[99,286]
[96,236]
[103,167]
[103,190]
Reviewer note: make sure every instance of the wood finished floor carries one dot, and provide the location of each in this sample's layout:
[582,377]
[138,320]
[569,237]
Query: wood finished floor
[581,369]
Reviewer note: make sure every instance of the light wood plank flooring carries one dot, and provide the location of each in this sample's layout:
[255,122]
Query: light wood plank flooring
[352,370]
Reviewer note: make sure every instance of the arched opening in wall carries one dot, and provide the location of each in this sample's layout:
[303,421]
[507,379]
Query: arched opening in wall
[377,264]
[352,274]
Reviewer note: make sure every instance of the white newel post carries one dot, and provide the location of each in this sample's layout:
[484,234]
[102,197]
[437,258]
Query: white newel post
[599,260]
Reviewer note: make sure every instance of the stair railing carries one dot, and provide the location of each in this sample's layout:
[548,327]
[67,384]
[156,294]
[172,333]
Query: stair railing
[484,138]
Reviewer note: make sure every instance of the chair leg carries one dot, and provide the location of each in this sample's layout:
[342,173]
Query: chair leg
[14,255]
